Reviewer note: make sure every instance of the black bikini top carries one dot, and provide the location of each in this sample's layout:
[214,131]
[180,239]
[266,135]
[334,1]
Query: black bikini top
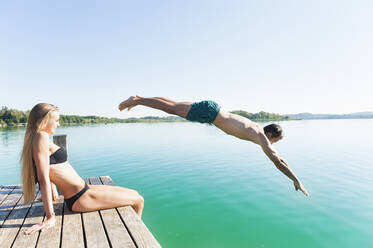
[59,156]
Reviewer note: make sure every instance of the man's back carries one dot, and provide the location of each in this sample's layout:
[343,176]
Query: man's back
[238,126]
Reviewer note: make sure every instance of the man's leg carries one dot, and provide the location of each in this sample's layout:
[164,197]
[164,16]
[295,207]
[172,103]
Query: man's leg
[169,106]
[165,99]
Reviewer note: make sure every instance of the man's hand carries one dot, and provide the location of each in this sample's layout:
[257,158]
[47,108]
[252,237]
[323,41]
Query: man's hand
[298,185]
[50,222]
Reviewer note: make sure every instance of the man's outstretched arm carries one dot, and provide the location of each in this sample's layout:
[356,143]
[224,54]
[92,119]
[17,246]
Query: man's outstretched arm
[280,164]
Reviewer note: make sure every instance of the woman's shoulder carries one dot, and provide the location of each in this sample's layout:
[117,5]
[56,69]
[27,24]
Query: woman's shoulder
[42,138]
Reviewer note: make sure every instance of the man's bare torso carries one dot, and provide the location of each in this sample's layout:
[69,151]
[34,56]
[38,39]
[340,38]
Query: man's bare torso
[238,126]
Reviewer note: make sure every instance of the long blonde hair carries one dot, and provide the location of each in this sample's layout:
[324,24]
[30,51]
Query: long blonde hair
[37,121]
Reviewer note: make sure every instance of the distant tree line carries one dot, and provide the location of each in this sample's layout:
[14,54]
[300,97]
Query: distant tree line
[75,119]
[13,117]
[261,116]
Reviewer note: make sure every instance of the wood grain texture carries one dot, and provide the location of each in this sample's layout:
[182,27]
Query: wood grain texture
[60,140]
[10,202]
[116,230]
[13,223]
[72,231]
[34,216]
[119,227]
[140,233]
[94,229]
[51,238]
[4,192]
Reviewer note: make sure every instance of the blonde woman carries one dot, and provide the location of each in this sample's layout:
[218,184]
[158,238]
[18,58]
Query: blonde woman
[46,163]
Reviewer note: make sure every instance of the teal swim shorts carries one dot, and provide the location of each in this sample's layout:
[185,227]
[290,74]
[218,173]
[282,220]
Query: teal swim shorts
[203,112]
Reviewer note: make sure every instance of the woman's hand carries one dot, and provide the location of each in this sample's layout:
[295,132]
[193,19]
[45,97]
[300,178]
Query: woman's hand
[298,185]
[50,222]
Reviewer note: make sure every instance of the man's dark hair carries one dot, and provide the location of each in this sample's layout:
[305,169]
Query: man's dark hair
[275,129]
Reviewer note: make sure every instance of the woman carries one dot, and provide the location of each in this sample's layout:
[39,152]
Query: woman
[232,124]
[45,162]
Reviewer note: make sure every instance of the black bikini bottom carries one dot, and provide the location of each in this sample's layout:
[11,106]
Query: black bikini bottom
[70,201]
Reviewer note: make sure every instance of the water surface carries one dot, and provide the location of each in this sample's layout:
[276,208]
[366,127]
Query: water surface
[203,188]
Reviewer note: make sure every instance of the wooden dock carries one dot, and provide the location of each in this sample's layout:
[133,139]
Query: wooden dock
[117,227]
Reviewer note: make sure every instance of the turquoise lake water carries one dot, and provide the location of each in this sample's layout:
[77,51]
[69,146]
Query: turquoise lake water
[203,188]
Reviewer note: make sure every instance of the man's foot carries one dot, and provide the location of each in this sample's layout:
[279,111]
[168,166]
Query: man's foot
[129,103]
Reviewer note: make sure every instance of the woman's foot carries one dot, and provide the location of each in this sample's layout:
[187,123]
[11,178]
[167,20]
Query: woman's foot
[129,103]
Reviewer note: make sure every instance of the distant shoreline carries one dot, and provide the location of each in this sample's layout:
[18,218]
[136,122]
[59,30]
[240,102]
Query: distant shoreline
[17,118]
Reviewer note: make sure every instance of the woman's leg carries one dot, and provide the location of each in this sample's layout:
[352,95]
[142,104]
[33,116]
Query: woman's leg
[169,106]
[105,196]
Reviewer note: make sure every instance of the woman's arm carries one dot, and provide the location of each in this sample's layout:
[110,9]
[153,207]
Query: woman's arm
[54,192]
[41,158]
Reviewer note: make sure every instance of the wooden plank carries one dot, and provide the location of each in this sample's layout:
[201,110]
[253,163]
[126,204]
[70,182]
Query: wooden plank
[140,233]
[9,203]
[51,237]
[119,227]
[72,230]
[116,230]
[107,180]
[34,216]
[94,230]
[13,223]
[5,191]
[60,140]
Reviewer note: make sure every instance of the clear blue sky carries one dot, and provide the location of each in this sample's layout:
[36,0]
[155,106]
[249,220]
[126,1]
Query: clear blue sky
[276,56]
